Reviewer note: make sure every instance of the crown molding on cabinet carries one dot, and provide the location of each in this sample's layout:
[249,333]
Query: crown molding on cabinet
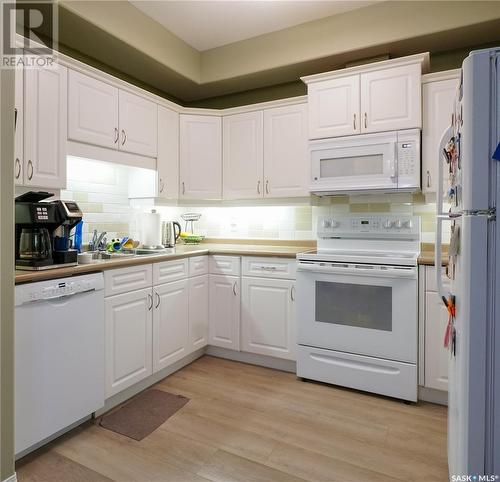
[439,76]
[423,59]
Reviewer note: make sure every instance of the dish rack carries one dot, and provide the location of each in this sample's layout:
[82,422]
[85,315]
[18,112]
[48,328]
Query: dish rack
[190,218]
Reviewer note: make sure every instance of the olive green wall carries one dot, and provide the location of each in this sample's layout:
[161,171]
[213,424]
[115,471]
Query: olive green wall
[7,273]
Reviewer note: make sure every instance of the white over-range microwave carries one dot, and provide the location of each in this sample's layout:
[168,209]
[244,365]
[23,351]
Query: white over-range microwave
[381,162]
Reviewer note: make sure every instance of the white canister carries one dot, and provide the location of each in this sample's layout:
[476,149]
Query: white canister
[151,229]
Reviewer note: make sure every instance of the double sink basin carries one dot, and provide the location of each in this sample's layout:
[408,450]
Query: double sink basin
[99,256]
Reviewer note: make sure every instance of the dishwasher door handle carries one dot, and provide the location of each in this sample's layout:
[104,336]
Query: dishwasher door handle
[59,297]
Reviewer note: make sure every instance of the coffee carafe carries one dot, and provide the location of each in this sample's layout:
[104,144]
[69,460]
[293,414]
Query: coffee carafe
[169,233]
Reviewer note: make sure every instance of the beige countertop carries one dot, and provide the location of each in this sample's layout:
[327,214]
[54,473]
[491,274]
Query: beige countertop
[181,251]
[427,254]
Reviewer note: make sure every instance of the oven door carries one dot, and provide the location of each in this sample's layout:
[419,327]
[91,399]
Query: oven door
[361,309]
[349,164]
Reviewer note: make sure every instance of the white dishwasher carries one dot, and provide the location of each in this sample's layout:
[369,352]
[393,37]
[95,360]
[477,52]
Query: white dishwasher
[59,356]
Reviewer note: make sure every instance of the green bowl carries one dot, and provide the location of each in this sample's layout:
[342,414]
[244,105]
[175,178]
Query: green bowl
[193,239]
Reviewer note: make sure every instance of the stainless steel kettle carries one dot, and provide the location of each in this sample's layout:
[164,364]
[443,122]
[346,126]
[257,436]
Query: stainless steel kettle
[169,233]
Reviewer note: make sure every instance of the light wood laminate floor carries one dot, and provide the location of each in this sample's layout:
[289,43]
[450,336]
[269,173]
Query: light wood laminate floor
[247,424]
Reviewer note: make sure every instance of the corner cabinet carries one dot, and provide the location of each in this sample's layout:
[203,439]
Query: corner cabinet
[43,162]
[200,157]
[377,97]
[439,91]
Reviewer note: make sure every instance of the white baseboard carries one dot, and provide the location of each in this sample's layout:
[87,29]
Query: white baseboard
[432,395]
[12,478]
[253,359]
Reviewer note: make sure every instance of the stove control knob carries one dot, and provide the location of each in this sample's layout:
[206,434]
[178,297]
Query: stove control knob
[327,223]
[388,224]
[335,224]
[399,224]
[407,224]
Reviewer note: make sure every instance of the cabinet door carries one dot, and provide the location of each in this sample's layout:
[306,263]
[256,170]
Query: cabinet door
[391,99]
[19,126]
[286,161]
[224,317]
[438,102]
[200,157]
[334,107]
[436,355]
[128,339]
[45,127]
[92,111]
[138,120]
[170,323]
[198,312]
[268,317]
[167,163]
[243,156]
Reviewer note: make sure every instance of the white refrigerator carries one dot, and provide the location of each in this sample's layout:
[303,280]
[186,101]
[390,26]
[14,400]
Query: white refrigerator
[469,184]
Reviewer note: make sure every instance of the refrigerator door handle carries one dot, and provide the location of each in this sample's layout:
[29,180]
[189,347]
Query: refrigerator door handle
[440,215]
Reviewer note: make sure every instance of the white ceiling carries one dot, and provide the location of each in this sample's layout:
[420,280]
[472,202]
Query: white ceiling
[208,24]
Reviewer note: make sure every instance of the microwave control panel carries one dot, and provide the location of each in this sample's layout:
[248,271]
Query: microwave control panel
[408,151]
[376,226]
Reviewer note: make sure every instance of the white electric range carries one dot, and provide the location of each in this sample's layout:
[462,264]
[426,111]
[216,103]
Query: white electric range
[357,298]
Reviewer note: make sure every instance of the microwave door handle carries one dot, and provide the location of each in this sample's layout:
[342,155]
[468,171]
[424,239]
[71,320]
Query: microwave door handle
[394,173]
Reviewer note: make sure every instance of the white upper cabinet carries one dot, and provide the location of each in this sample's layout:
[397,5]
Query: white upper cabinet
[334,107]
[92,111]
[438,102]
[243,156]
[138,120]
[200,157]
[167,163]
[286,160]
[45,127]
[377,97]
[19,127]
[391,99]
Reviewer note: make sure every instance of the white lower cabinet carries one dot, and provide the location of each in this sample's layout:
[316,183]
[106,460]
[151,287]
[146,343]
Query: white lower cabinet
[224,312]
[170,323]
[198,312]
[128,339]
[268,317]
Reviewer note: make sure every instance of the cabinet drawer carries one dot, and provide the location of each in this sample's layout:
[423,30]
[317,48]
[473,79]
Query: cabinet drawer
[123,280]
[229,265]
[430,279]
[198,266]
[170,271]
[269,267]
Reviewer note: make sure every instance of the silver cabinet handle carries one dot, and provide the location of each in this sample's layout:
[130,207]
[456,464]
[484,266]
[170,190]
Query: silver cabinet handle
[158,300]
[267,186]
[292,293]
[183,188]
[124,137]
[150,297]
[366,120]
[18,166]
[354,121]
[15,119]
[162,185]
[258,187]
[235,285]
[117,134]
[428,179]
[30,170]
[268,268]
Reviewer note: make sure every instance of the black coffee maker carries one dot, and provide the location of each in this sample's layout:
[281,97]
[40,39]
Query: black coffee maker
[43,231]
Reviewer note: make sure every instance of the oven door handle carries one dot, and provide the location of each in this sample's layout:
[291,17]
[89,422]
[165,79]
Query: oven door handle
[390,272]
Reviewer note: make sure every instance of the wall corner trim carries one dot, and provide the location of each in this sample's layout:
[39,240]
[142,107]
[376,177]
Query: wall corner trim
[12,478]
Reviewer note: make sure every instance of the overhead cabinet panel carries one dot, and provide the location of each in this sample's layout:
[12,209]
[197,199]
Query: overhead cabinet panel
[45,127]
[167,163]
[391,99]
[286,160]
[138,120]
[334,107]
[92,111]
[200,157]
[19,127]
[243,156]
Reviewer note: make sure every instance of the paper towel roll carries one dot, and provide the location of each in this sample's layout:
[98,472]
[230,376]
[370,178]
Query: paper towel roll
[151,228]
